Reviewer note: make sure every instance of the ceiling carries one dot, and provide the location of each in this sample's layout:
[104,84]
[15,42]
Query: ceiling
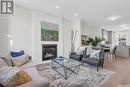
[95,12]
[123,27]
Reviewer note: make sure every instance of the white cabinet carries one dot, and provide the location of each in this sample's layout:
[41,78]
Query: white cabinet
[122,51]
[128,38]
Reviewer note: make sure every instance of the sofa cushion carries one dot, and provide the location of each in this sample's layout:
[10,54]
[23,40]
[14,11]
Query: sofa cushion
[22,77]
[18,61]
[2,62]
[95,54]
[8,59]
[76,57]
[92,61]
[7,75]
[32,71]
[80,50]
[13,76]
[37,81]
[89,49]
[28,65]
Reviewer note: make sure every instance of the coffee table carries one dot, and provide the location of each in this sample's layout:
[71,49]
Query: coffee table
[65,66]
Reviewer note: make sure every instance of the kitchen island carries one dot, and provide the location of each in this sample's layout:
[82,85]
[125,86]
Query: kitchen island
[123,51]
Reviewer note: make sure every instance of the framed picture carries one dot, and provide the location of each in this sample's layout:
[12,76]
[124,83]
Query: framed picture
[49,31]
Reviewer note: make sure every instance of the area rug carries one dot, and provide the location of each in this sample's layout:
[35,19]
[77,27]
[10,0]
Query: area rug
[87,76]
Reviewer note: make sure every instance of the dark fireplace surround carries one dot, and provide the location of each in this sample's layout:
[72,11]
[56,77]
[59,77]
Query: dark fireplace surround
[49,51]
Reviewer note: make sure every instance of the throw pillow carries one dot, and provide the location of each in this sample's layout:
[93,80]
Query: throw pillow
[7,74]
[13,76]
[17,54]
[95,54]
[89,49]
[2,62]
[18,61]
[8,59]
[22,77]
[80,50]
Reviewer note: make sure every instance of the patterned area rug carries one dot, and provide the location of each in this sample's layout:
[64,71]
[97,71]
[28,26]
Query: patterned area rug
[87,76]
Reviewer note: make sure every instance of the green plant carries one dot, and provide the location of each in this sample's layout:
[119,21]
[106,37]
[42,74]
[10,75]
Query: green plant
[95,41]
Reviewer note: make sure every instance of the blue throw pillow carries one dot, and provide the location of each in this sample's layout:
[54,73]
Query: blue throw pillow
[17,54]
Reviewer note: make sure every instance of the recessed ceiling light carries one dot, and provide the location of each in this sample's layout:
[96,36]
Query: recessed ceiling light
[76,14]
[57,6]
[113,18]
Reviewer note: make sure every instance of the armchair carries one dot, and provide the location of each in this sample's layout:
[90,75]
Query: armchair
[94,61]
[78,56]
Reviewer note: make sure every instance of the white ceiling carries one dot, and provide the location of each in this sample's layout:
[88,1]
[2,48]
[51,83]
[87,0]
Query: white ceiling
[95,12]
[123,27]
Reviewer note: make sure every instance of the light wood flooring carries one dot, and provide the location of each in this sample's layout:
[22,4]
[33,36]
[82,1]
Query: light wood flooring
[121,67]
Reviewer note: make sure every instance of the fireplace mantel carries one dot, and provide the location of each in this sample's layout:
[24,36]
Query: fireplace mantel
[49,51]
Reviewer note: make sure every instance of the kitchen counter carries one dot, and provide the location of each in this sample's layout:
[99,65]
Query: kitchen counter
[123,51]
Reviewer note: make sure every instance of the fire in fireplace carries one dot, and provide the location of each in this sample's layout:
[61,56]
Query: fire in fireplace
[49,51]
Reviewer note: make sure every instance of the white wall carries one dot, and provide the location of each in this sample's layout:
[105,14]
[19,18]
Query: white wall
[21,30]
[97,31]
[4,40]
[114,40]
[37,43]
[90,30]
[87,29]
[105,35]
[67,27]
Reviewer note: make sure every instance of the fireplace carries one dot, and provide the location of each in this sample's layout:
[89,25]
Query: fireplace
[49,51]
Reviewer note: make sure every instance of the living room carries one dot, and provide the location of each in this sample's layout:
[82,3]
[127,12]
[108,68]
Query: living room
[72,28]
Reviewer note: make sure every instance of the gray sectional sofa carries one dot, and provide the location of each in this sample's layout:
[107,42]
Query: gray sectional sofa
[37,80]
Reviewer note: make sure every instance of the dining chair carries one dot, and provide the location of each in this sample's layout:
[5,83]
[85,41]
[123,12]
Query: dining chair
[113,53]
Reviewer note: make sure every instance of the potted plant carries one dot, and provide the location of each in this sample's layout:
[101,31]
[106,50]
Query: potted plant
[95,41]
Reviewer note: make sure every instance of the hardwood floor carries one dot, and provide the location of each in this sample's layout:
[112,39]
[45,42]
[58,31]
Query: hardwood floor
[121,67]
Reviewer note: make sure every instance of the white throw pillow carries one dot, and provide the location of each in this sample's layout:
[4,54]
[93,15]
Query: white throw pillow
[18,61]
[13,76]
[7,74]
[89,49]
[80,50]
[95,54]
